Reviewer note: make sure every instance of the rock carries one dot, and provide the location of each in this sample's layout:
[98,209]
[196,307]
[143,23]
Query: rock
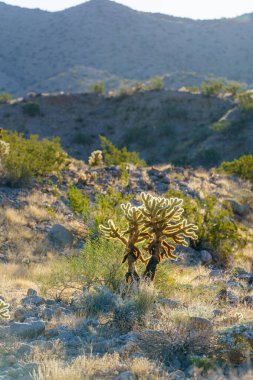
[206,257]
[4,331]
[127,376]
[217,312]
[232,298]
[199,323]
[239,209]
[31,292]
[24,350]
[32,301]
[59,236]
[170,303]
[20,314]
[248,300]
[177,375]
[27,330]
[47,314]
[215,273]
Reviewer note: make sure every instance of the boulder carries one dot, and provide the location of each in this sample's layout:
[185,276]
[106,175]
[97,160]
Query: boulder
[206,257]
[27,330]
[59,236]
[32,301]
[31,292]
[177,375]
[238,208]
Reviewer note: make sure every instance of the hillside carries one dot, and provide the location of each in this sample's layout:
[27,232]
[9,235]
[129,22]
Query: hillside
[67,50]
[163,126]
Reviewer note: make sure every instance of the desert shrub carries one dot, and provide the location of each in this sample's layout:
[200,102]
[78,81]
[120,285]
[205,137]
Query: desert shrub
[97,265]
[79,202]
[212,88]
[246,101]
[5,98]
[233,89]
[236,344]
[100,301]
[114,156]
[155,83]
[242,167]
[31,109]
[98,88]
[194,89]
[31,158]
[220,126]
[106,206]
[217,230]
[133,310]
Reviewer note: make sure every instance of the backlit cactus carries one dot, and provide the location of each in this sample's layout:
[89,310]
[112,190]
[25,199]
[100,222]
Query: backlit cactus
[4,310]
[158,222]
[96,158]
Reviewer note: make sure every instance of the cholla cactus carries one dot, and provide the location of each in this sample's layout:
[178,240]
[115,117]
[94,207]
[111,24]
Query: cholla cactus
[4,310]
[158,222]
[135,233]
[164,219]
[96,158]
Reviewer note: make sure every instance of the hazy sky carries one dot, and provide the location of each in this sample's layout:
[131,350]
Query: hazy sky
[198,9]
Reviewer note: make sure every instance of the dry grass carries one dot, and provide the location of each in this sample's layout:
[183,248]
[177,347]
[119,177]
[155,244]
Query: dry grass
[94,367]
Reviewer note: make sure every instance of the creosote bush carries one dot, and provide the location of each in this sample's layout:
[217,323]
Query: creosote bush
[5,97]
[30,158]
[106,206]
[115,156]
[218,231]
[212,88]
[242,167]
[98,265]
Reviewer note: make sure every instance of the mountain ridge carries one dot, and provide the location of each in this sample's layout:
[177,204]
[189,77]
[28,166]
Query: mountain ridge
[109,37]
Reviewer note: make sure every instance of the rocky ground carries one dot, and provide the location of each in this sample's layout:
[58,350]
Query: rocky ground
[189,329]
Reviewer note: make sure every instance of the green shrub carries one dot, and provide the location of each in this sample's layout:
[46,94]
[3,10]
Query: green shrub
[98,88]
[155,83]
[134,308]
[100,301]
[79,202]
[233,89]
[212,88]
[220,126]
[31,109]
[97,265]
[217,230]
[5,98]
[106,206]
[31,158]
[246,101]
[243,167]
[115,156]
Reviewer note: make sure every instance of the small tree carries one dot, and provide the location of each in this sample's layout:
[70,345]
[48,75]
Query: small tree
[157,222]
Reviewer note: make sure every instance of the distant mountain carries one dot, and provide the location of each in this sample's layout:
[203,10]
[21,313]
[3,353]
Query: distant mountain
[68,50]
